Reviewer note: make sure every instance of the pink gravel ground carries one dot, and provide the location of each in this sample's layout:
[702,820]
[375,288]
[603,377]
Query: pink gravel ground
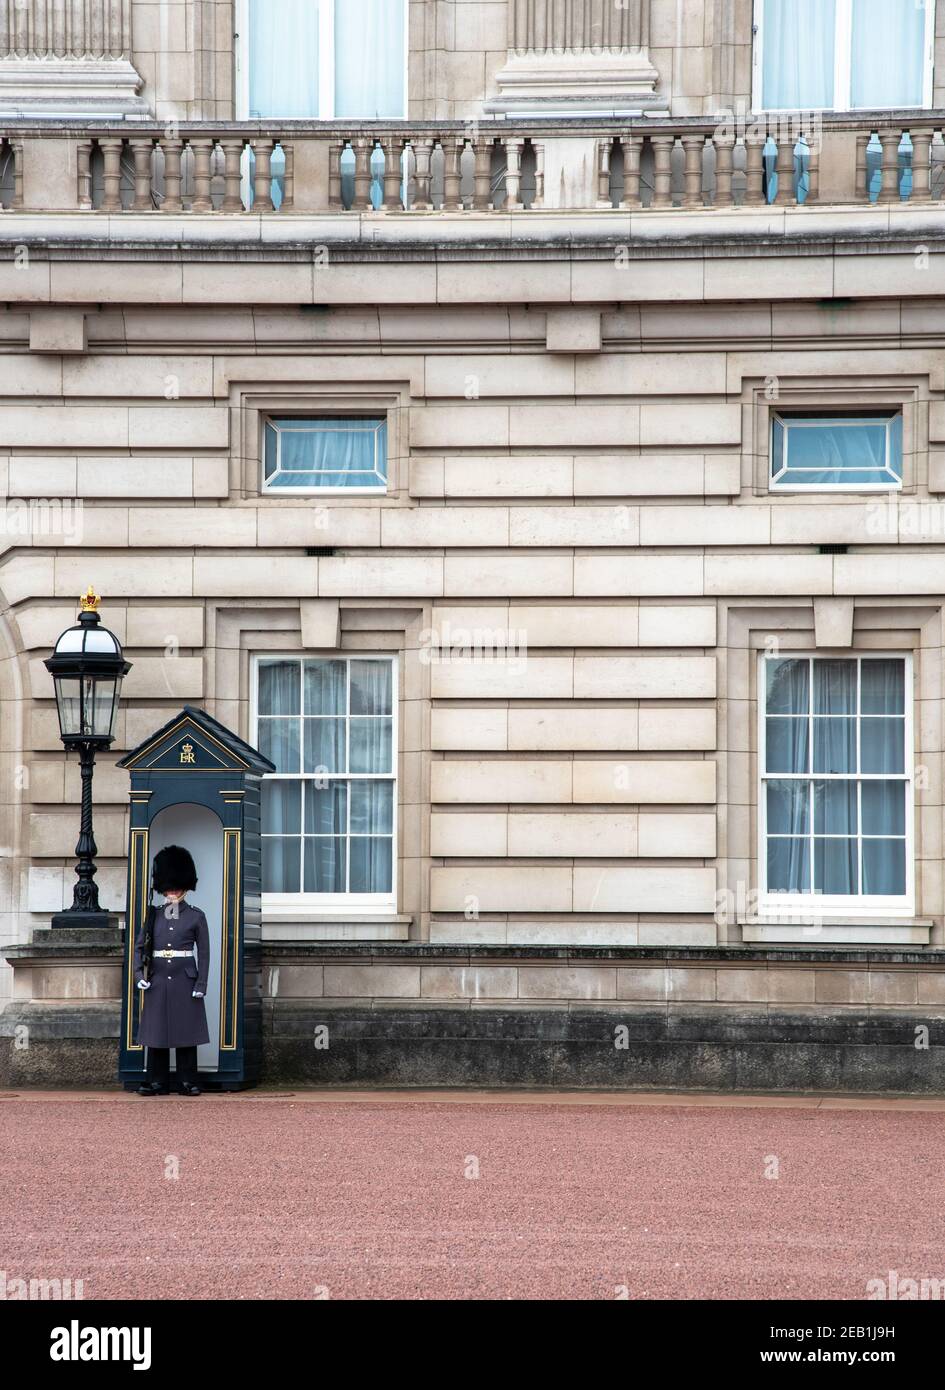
[268,1196]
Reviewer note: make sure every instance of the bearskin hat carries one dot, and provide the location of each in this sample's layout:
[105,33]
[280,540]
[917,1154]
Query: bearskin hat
[173,870]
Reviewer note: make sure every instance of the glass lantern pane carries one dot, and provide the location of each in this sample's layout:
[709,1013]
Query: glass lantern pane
[69,701]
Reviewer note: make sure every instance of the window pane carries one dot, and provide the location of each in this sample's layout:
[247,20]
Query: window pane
[835,745]
[326,808]
[324,687]
[372,808]
[371,745]
[279,741]
[325,864]
[787,745]
[888,53]
[835,808]
[278,687]
[282,808]
[884,867]
[883,687]
[283,58]
[369,58]
[280,864]
[269,446]
[835,867]
[884,808]
[788,687]
[324,745]
[370,687]
[788,808]
[777,445]
[331,452]
[370,864]
[835,687]
[882,745]
[789,866]
[798,54]
[842,451]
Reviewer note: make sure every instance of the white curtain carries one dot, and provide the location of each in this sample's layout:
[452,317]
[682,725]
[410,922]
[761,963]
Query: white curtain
[888,53]
[369,58]
[799,45]
[283,58]
[347,453]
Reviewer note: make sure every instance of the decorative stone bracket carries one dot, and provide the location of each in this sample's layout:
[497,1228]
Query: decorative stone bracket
[581,55]
[68,57]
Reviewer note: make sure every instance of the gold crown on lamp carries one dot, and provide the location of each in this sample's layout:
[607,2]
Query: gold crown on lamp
[90,601]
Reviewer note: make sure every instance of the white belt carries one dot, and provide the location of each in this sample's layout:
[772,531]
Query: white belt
[166,954]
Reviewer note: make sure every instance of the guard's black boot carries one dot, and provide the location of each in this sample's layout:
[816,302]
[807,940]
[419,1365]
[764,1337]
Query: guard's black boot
[151,1088]
[186,1090]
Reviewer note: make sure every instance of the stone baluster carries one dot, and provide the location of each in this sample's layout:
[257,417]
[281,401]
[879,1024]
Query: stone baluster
[889,189]
[336,150]
[813,168]
[363,149]
[922,165]
[17,146]
[694,147]
[288,182]
[755,169]
[232,176]
[784,169]
[663,146]
[632,146]
[452,174]
[111,176]
[724,168]
[393,179]
[539,148]
[604,199]
[482,175]
[173,151]
[863,138]
[513,175]
[262,175]
[84,172]
[423,154]
[203,156]
[142,151]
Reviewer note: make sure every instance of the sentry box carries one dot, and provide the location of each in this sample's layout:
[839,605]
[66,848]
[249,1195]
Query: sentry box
[196,784]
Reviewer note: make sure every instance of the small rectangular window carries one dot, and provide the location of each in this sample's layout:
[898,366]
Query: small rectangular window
[819,452]
[329,810]
[315,453]
[836,781]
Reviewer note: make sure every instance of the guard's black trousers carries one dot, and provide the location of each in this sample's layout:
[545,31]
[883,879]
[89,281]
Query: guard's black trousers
[159,1067]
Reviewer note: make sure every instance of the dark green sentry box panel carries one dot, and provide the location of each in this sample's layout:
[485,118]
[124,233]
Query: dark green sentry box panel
[195,783]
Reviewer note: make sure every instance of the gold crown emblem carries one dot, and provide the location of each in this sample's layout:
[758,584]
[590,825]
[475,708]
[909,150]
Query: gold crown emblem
[90,601]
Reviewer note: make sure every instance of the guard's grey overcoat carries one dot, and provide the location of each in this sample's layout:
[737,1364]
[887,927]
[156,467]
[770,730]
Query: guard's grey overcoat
[170,1015]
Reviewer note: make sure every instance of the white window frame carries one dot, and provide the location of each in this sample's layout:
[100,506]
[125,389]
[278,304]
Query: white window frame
[331,902]
[270,489]
[794,420]
[843,50]
[326,65]
[818,904]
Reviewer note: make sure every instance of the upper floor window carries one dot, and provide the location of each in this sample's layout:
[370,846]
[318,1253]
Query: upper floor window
[836,758]
[325,452]
[841,55]
[324,59]
[329,809]
[814,452]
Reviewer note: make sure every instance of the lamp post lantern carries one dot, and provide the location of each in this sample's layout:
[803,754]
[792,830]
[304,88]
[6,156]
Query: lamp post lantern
[87,667]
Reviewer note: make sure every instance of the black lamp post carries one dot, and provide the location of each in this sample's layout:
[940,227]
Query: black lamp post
[87,667]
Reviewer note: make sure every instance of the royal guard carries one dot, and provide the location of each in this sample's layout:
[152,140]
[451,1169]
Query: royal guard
[172,959]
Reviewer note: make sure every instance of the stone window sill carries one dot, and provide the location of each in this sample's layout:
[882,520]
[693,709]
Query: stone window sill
[286,925]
